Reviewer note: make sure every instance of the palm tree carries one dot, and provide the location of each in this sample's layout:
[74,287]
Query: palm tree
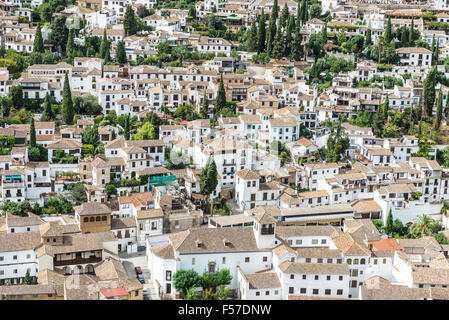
[423,226]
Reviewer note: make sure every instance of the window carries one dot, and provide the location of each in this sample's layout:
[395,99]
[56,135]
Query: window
[320,260]
[340,278]
[86,219]
[292,276]
[247,259]
[308,260]
[328,277]
[104,218]
[291,290]
[298,241]
[349,261]
[193,261]
[327,292]
[354,284]
[14,257]
[362,261]
[375,261]
[329,260]
[265,259]
[304,276]
[267,293]
[168,275]
[223,260]
[339,292]
[98,218]
[315,241]
[323,241]
[316,277]
[385,261]
[315,291]
[257,293]
[303,290]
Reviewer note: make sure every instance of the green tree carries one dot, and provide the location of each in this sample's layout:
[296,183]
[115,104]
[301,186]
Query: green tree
[208,179]
[278,47]
[439,115]
[47,114]
[183,280]
[220,101]
[429,91]
[127,130]
[441,238]
[251,41]
[90,136]
[120,54]
[223,277]
[32,134]
[59,33]
[38,45]
[192,294]
[16,95]
[129,21]
[27,280]
[110,190]
[223,292]
[70,46]
[284,16]
[368,40]
[289,35]
[207,280]
[411,33]
[78,194]
[424,226]
[67,103]
[297,47]
[145,132]
[389,224]
[388,34]
[204,112]
[261,33]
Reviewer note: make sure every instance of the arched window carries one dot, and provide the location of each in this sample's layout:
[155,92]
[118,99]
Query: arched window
[86,219]
[362,261]
[104,218]
[356,261]
[98,218]
[349,261]
[92,219]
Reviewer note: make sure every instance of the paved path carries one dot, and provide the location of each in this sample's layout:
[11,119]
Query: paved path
[139,259]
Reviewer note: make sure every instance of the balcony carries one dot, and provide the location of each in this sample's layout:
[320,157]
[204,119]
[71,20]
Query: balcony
[77,260]
[229,164]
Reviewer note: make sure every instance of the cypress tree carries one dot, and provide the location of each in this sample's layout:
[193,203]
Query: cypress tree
[126,129]
[251,42]
[104,45]
[67,103]
[289,35]
[38,45]
[220,101]
[129,21]
[411,33]
[324,33]
[433,50]
[69,49]
[278,48]
[32,134]
[271,33]
[297,47]
[204,112]
[429,91]
[388,35]
[446,108]
[47,114]
[385,108]
[368,40]
[437,52]
[284,16]
[404,37]
[275,10]
[439,115]
[120,54]
[420,107]
[389,224]
[261,33]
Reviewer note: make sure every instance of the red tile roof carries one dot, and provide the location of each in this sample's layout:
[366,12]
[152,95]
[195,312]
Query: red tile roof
[386,244]
[116,292]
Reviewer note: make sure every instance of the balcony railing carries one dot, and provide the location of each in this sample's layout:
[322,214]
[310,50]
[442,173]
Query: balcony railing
[77,260]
